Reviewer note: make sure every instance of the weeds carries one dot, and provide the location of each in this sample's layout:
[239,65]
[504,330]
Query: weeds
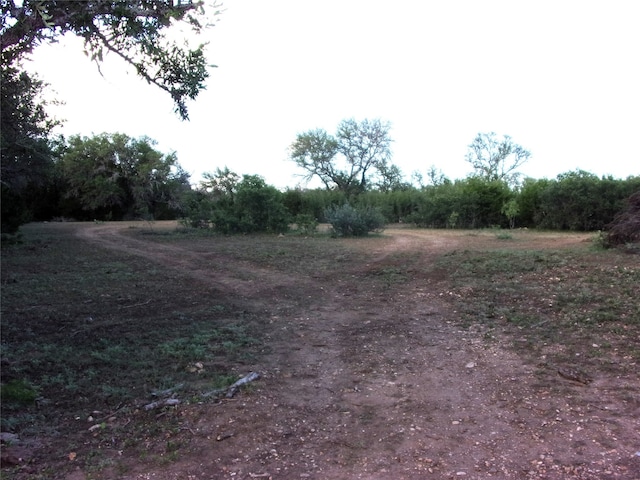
[551,297]
[72,341]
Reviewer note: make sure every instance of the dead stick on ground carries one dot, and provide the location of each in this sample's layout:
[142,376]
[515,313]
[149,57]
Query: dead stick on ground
[162,403]
[233,389]
[137,304]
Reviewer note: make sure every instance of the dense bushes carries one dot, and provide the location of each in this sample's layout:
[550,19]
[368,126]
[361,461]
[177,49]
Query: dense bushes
[246,207]
[573,201]
[576,201]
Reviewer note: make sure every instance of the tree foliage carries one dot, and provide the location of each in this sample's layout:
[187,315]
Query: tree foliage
[222,184]
[493,159]
[25,147]
[352,161]
[582,201]
[231,206]
[134,30]
[113,176]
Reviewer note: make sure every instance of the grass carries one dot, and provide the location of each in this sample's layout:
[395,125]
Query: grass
[84,329]
[584,301]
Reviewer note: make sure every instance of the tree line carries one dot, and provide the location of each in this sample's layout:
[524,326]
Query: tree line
[116,177]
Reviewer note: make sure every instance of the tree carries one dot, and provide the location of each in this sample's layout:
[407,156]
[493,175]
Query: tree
[113,176]
[221,184]
[511,210]
[390,178]
[231,206]
[25,148]
[364,148]
[259,207]
[530,202]
[134,30]
[493,159]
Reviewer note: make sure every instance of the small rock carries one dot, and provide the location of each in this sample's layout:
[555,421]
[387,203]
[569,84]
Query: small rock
[470,365]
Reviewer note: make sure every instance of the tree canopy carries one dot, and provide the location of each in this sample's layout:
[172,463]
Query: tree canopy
[494,159]
[25,147]
[118,177]
[365,150]
[134,30]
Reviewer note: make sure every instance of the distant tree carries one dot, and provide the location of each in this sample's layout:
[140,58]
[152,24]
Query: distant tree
[133,30]
[229,205]
[511,210]
[390,178]
[113,176]
[493,159]
[480,202]
[365,153]
[531,210]
[259,207]
[434,176]
[222,184]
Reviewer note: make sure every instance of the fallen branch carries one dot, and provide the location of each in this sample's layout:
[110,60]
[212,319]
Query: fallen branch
[575,376]
[136,304]
[230,391]
[167,402]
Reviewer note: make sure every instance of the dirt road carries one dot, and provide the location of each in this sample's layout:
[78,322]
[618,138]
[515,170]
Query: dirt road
[384,383]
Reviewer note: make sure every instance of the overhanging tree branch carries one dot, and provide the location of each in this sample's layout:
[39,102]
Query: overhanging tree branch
[132,29]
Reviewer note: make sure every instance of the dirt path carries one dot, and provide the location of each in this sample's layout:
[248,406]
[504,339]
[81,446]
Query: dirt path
[383,384]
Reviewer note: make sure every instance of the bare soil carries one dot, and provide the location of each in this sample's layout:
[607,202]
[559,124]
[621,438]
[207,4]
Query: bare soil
[370,373]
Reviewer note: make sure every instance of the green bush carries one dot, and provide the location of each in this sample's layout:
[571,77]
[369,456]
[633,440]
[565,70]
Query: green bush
[347,221]
[251,206]
[306,224]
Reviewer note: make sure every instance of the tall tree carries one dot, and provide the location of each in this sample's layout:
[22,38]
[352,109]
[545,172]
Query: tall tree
[115,177]
[352,160]
[315,151]
[134,30]
[496,159]
[25,148]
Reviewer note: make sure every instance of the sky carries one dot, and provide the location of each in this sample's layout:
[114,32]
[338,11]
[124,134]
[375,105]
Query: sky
[561,78]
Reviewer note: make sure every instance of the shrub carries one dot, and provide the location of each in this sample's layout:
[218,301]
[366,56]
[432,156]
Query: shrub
[347,221]
[625,228]
[306,224]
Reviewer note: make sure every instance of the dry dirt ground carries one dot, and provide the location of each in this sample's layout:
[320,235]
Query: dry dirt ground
[362,383]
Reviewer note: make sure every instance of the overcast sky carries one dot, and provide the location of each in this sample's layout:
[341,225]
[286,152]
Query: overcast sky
[560,77]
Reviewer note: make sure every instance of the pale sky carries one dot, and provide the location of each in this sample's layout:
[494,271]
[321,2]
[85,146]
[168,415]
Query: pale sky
[562,78]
